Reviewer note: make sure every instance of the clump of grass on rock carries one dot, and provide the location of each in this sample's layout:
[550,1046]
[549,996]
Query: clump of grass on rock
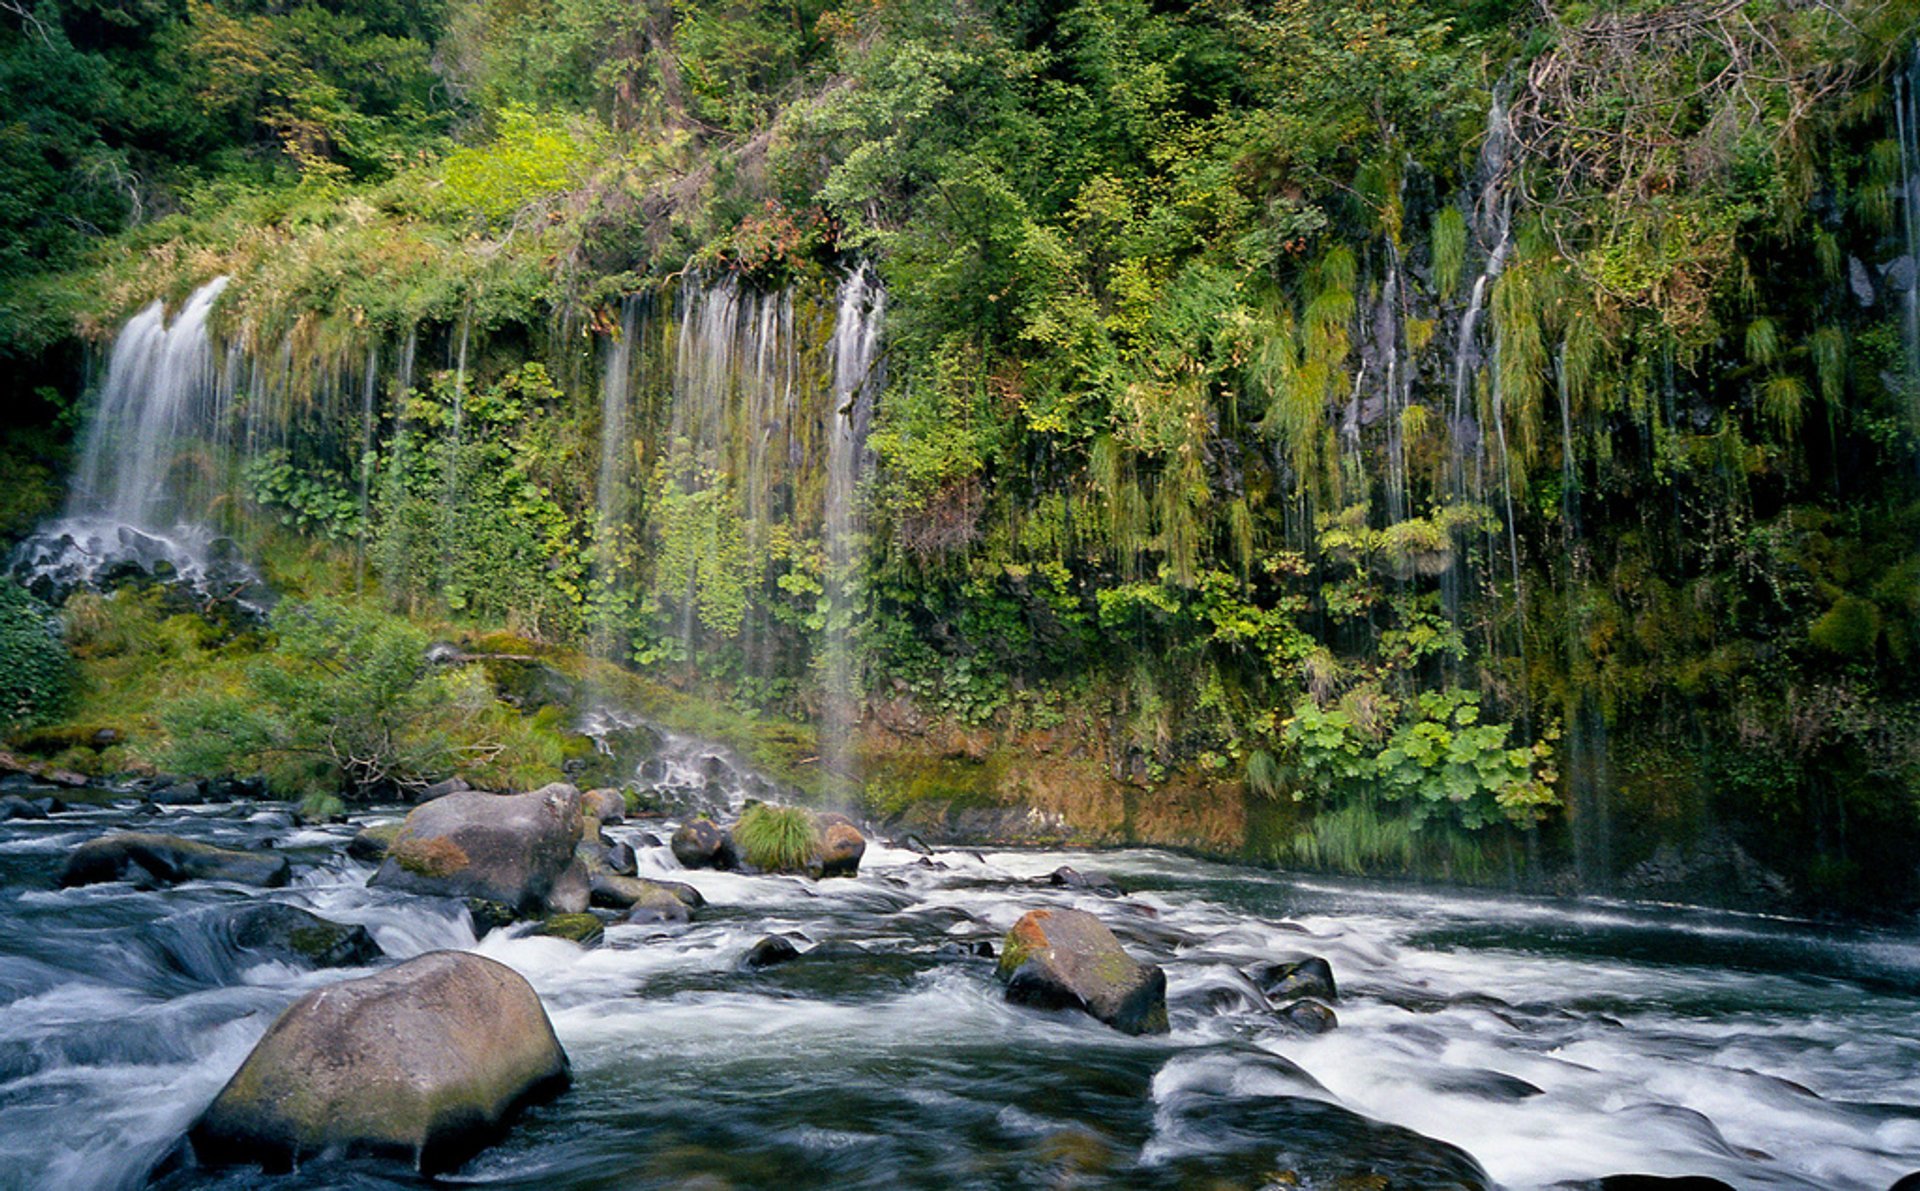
[777,838]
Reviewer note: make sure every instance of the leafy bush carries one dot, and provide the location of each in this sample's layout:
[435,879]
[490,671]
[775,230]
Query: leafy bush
[36,673]
[776,838]
[346,702]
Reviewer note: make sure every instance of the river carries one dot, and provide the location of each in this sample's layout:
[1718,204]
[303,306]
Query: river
[1556,1041]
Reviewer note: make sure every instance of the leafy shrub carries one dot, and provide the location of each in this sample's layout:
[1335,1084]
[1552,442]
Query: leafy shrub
[346,702]
[776,838]
[36,673]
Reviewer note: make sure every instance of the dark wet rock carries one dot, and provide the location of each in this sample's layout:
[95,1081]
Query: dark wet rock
[702,843]
[488,916]
[584,929]
[15,807]
[1057,959]
[689,897]
[265,930]
[1217,992]
[1307,976]
[914,843]
[1094,883]
[516,849]
[648,839]
[1909,1182]
[769,952]
[838,949]
[978,949]
[371,842]
[150,860]
[427,1062]
[1486,1085]
[1714,871]
[105,738]
[841,846]
[178,794]
[1308,1016]
[620,859]
[1246,1141]
[453,785]
[235,789]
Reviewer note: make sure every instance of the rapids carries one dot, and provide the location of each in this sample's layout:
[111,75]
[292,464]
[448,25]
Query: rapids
[1553,1040]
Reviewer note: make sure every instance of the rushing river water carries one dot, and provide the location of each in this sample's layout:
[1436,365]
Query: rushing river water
[1554,1041]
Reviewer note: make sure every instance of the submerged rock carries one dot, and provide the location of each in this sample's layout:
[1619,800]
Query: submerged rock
[702,843]
[15,807]
[1308,976]
[426,1061]
[151,859]
[1057,959]
[1308,1016]
[1098,884]
[770,952]
[514,849]
[584,929]
[266,930]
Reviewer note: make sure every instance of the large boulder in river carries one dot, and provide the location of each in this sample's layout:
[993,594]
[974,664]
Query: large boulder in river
[426,1061]
[214,943]
[514,849]
[1061,959]
[151,860]
[841,846]
[702,843]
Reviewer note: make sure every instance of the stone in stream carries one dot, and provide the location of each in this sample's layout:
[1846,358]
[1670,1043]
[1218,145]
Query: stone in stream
[371,842]
[453,785]
[1308,1016]
[605,805]
[15,807]
[702,843]
[178,794]
[841,846]
[584,929]
[620,859]
[656,906]
[1097,884]
[150,859]
[770,952]
[1308,976]
[1058,959]
[273,930]
[426,1061]
[514,849]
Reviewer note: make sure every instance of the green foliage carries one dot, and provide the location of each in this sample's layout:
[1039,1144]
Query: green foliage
[777,838]
[346,702]
[36,682]
[532,158]
[317,502]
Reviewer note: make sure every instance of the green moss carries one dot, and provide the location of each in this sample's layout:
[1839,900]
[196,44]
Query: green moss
[584,929]
[438,857]
[1850,628]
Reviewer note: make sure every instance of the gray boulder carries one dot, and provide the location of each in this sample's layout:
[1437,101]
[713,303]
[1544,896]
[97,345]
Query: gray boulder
[514,849]
[1068,959]
[426,1061]
[150,860]
[702,843]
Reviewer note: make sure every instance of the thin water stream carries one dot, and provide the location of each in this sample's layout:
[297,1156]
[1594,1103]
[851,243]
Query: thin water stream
[1553,1041]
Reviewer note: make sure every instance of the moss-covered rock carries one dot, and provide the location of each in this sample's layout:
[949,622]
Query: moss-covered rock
[152,860]
[841,846]
[584,929]
[1060,959]
[426,1062]
[372,841]
[514,849]
[702,843]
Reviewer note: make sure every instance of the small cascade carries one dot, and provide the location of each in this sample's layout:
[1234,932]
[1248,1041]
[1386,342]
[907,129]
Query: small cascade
[364,463]
[613,492]
[1906,110]
[142,495]
[856,341]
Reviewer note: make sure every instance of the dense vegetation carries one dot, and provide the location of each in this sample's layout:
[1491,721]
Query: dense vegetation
[1452,417]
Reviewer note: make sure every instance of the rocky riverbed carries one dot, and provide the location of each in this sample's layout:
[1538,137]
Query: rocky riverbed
[876,1030]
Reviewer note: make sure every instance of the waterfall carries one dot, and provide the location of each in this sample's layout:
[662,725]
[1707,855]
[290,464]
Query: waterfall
[856,340]
[1906,113]
[369,388]
[612,502]
[160,378]
[143,491]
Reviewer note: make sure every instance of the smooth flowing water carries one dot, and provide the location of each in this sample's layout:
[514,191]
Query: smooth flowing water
[1552,1040]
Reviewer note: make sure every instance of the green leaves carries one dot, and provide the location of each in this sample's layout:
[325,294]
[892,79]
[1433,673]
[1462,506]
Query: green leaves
[36,676]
